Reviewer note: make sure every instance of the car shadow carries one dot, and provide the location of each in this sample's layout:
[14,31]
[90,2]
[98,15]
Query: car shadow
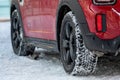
[105,67]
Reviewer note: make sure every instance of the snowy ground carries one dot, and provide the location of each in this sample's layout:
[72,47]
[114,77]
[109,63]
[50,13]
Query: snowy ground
[13,67]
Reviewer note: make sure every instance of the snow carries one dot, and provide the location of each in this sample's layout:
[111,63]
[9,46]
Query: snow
[49,67]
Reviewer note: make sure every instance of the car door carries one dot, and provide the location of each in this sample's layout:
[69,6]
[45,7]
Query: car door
[48,10]
[39,18]
[30,10]
[26,14]
[35,30]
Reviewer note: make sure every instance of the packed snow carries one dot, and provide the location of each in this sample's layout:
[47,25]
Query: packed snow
[48,67]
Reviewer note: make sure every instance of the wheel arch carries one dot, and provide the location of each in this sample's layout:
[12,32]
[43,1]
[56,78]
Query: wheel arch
[61,13]
[66,6]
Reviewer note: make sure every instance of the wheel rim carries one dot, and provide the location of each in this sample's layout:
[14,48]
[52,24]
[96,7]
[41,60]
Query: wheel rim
[69,45]
[17,33]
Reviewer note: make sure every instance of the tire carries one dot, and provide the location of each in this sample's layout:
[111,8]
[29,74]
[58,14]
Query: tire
[19,44]
[76,58]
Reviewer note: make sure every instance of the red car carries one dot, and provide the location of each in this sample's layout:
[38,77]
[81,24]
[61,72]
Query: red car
[80,30]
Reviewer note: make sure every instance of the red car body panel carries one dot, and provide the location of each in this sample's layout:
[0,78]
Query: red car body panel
[112,17]
[39,18]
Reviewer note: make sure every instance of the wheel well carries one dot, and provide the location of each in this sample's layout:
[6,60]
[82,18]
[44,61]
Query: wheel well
[63,10]
[13,7]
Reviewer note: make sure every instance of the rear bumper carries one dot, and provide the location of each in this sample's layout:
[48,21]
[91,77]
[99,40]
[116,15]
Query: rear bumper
[107,46]
[108,41]
[112,13]
[85,13]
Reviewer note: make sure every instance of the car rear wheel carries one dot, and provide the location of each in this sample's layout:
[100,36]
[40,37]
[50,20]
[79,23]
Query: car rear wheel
[76,58]
[17,36]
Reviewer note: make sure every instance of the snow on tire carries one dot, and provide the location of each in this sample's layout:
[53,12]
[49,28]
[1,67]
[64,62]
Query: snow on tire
[85,61]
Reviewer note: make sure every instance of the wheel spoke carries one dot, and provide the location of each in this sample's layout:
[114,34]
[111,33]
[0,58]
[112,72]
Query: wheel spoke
[65,43]
[17,25]
[20,47]
[16,43]
[21,33]
[14,36]
[72,45]
[14,25]
[19,38]
[67,30]
[67,57]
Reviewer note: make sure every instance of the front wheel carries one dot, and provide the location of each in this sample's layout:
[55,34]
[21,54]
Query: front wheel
[17,36]
[76,58]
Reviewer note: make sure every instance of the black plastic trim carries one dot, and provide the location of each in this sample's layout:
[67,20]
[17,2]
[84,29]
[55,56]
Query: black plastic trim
[107,46]
[104,3]
[104,23]
[50,46]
